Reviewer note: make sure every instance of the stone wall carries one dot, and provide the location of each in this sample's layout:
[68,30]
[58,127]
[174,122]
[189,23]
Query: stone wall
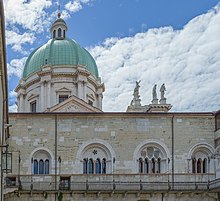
[121,134]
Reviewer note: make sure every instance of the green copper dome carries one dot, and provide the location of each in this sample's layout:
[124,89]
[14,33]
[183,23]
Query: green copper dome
[59,52]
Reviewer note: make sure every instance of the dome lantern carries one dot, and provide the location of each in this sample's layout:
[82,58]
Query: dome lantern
[59,28]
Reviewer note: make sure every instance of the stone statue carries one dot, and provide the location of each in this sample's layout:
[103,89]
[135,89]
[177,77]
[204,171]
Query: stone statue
[136,89]
[154,92]
[136,99]
[162,91]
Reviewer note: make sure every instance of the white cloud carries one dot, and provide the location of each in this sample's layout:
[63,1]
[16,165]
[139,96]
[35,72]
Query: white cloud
[76,5]
[186,60]
[16,40]
[12,94]
[25,19]
[30,15]
[13,108]
[15,67]
[31,18]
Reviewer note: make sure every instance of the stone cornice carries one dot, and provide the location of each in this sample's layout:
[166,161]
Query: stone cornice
[43,73]
[55,75]
[36,80]
[26,85]
[121,114]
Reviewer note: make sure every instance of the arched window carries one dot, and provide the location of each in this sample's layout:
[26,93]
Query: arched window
[204,166]
[47,165]
[64,33]
[153,165]
[199,165]
[91,166]
[154,158]
[99,157]
[140,165]
[41,162]
[54,33]
[84,166]
[98,166]
[41,167]
[35,167]
[201,161]
[59,32]
[146,166]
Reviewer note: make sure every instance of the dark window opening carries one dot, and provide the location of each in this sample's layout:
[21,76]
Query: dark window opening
[217,121]
[64,33]
[146,167]
[103,166]
[204,165]
[35,167]
[47,164]
[153,165]
[91,166]
[140,165]
[85,161]
[41,166]
[54,34]
[64,183]
[97,166]
[193,165]
[59,32]
[10,181]
[34,106]
[90,103]
[62,98]
[199,166]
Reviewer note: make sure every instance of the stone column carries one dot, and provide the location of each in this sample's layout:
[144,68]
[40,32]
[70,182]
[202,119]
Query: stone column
[21,97]
[18,103]
[42,97]
[48,94]
[84,89]
[100,97]
[80,89]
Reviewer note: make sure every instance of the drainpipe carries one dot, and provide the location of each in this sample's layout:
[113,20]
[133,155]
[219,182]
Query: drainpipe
[172,131]
[2,144]
[55,157]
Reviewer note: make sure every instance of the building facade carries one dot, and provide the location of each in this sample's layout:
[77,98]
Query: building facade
[65,148]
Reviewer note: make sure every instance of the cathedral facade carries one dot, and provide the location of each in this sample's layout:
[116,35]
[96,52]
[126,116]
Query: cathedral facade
[64,147]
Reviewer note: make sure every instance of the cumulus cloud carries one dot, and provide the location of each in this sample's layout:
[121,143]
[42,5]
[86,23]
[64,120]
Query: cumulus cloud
[13,108]
[30,15]
[186,60]
[31,18]
[76,5]
[16,40]
[12,94]
[15,67]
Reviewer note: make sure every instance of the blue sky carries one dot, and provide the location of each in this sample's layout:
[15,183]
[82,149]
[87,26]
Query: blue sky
[108,28]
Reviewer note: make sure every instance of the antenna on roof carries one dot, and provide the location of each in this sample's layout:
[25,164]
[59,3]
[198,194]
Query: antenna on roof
[58,3]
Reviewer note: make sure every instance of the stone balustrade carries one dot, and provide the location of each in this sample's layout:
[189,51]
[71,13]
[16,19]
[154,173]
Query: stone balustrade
[116,182]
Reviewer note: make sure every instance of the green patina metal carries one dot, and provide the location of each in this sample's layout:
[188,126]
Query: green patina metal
[59,52]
